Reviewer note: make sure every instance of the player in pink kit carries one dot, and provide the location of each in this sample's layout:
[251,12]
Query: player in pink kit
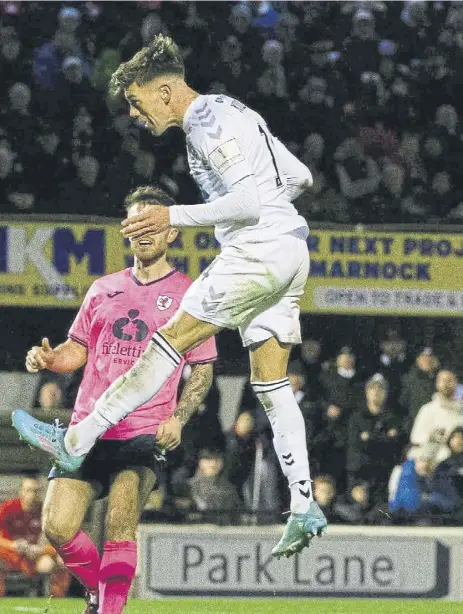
[116,321]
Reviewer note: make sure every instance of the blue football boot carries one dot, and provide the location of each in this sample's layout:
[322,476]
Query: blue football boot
[46,437]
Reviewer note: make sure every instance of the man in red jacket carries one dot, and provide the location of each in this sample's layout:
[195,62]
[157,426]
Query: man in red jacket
[22,547]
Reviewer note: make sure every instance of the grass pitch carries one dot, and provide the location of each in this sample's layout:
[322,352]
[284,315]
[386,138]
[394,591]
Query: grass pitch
[240,606]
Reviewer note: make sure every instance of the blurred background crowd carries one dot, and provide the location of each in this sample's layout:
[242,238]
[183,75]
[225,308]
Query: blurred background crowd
[385,439]
[343,84]
[367,94]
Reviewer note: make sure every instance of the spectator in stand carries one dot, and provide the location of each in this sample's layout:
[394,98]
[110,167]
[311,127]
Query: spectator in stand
[239,20]
[375,439]
[442,197]
[57,390]
[22,544]
[314,107]
[358,176]
[310,352]
[328,416]
[393,363]
[357,508]
[20,123]
[418,383]
[360,50]
[75,90]
[413,206]
[422,490]
[143,166]
[80,194]
[49,159]
[16,190]
[272,86]
[210,490]
[437,419]
[387,201]
[232,70]
[339,381]
[412,30]
[324,493]
[452,466]
[12,58]
[202,431]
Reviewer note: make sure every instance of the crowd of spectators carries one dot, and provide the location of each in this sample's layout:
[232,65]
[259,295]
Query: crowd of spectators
[385,437]
[366,93]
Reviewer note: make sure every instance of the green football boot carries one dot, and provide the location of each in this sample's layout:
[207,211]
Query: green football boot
[299,530]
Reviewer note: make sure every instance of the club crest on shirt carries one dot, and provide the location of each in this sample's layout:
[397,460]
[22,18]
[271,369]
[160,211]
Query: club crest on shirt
[163,302]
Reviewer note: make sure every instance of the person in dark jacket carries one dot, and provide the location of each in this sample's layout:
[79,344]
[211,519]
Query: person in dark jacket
[422,490]
[453,465]
[211,491]
[375,439]
[330,416]
[324,493]
[340,380]
[393,363]
[204,431]
[358,508]
[418,384]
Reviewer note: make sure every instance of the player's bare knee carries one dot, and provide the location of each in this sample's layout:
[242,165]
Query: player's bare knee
[57,530]
[269,360]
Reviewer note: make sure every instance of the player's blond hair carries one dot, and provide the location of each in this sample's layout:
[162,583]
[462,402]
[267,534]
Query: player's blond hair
[161,57]
[149,195]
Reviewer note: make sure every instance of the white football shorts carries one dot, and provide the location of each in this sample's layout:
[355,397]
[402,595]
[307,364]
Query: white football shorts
[254,287]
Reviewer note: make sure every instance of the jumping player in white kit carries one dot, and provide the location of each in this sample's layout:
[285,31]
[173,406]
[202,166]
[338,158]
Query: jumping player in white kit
[248,180]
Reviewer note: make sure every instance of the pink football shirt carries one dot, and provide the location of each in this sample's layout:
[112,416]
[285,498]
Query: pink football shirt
[116,322]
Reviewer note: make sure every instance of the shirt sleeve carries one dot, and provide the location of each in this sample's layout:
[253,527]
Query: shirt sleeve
[225,153]
[206,352]
[298,176]
[80,328]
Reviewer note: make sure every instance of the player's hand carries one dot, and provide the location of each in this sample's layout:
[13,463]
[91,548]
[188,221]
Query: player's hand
[169,433]
[153,220]
[365,436]
[39,357]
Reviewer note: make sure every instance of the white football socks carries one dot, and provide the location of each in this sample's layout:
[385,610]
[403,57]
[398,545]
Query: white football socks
[148,375]
[289,439]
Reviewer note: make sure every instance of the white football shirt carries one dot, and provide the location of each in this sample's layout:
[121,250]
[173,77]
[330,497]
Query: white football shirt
[228,142]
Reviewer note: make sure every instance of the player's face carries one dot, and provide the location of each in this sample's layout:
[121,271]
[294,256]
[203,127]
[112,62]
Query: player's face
[150,247]
[149,105]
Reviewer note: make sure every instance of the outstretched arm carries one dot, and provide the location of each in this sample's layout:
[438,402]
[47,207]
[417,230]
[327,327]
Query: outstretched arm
[195,391]
[65,358]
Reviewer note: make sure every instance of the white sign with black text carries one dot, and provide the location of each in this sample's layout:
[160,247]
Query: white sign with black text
[230,563]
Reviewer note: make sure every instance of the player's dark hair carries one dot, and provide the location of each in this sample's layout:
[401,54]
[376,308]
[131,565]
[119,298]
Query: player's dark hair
[161,57]
[148,194]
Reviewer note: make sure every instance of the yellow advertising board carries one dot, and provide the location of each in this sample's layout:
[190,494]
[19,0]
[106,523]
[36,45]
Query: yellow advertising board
[52,264]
